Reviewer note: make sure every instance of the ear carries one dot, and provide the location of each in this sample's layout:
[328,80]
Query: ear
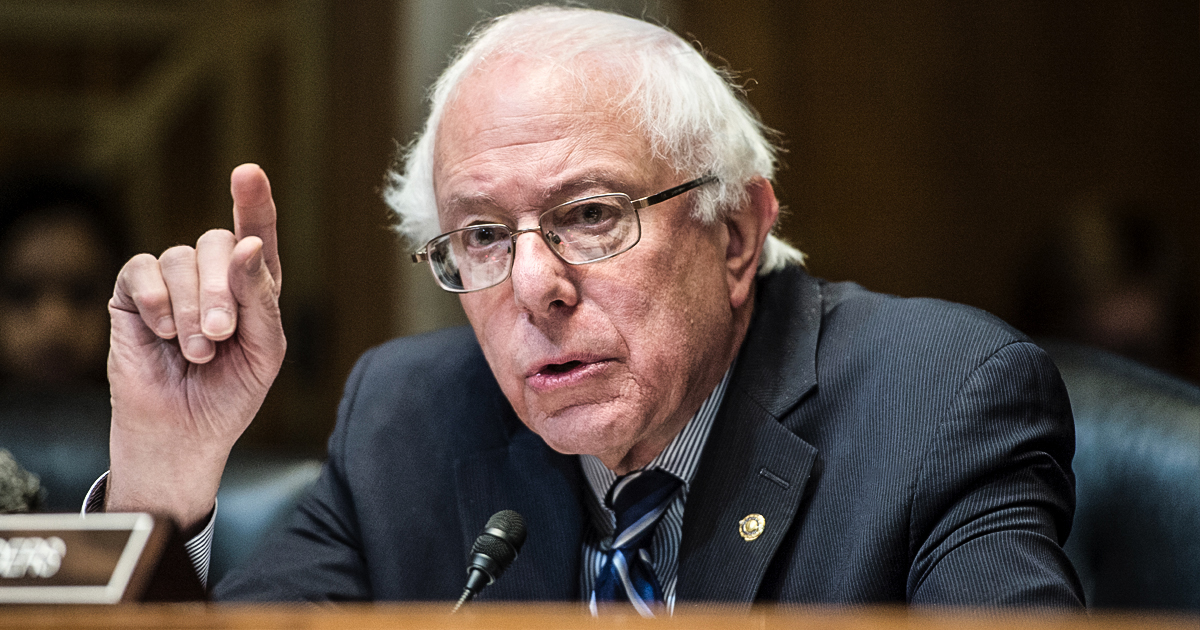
[748,228]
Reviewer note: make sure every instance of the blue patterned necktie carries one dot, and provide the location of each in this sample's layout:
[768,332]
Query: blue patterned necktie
[639,500]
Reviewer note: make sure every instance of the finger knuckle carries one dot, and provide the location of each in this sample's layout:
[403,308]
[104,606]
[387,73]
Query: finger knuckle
[135,268]
[217,297]
[151,299]
[188,315]
[216,235]
[140,262]
[177,254]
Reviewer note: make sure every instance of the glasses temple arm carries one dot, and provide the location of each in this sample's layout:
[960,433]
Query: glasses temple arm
[673,192]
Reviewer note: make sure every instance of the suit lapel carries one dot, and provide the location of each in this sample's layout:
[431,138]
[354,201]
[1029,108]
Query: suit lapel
[543,486]
[752,464]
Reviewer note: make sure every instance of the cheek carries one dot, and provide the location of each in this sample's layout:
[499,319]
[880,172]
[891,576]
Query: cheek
[484,316]
[678,314]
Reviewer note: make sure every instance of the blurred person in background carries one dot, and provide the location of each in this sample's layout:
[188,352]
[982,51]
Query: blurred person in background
[60,250]
[59,254]
[1112,276]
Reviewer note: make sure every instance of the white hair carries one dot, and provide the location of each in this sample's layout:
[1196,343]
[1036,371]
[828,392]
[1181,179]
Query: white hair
[691,113]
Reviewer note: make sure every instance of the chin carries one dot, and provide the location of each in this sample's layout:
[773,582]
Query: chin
[585,430]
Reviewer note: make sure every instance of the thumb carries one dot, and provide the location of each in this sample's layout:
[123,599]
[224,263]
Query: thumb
[260,329]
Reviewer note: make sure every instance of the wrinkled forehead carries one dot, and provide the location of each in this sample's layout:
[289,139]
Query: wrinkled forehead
[507,90]
[531,115]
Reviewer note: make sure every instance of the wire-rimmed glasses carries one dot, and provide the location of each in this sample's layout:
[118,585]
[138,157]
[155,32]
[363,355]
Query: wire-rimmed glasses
[581,231]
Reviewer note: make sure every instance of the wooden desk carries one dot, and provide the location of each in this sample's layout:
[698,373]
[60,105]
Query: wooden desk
[504,617]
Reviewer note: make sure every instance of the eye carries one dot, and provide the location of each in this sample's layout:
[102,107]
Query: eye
[591,215]
[483,236]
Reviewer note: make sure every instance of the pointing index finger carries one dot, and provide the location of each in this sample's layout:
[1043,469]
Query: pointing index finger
[254,212]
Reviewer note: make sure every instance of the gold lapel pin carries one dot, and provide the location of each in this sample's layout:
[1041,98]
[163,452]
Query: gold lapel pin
[752,526]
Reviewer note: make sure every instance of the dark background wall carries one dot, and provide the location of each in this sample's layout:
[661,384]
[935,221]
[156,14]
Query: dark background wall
[932,148]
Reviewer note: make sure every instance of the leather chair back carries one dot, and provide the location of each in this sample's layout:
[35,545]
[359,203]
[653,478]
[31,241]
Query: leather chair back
[1136,537]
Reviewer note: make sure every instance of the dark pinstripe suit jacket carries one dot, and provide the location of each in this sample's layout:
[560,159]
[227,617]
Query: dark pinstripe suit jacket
[900,450]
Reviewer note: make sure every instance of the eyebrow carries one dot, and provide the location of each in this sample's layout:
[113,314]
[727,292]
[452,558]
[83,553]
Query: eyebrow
[549,197]
[462,204]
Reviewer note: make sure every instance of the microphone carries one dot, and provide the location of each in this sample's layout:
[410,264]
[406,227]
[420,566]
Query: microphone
[493,551]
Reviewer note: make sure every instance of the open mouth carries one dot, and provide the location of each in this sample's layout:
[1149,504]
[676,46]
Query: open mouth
[575,373]
[560,368]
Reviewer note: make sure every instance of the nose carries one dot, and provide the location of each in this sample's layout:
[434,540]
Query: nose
[541,280]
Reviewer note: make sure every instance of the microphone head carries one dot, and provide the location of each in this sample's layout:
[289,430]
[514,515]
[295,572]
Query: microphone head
[494,549]
[498,545]
[512,526]
[500,552]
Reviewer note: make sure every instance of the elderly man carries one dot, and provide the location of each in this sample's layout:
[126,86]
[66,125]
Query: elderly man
[681,414]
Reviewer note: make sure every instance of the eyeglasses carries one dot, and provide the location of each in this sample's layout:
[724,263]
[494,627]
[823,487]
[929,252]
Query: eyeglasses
[578,232]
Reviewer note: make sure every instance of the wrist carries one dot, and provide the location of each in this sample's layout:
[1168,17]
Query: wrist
[179,482]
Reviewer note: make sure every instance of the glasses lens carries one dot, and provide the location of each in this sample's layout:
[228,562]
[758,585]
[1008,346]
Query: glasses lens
[472,258]
[592,229]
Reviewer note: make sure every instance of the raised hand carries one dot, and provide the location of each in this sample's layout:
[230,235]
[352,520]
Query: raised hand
[196,343]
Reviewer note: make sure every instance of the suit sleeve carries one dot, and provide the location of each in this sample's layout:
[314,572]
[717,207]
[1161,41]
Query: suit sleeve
[995,495]
[319,556]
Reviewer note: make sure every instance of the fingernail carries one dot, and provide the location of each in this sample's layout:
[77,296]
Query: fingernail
[218,322]
[166,327]
[199,348]
[255,261]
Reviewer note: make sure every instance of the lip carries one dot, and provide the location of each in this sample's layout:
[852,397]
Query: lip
[568,372]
